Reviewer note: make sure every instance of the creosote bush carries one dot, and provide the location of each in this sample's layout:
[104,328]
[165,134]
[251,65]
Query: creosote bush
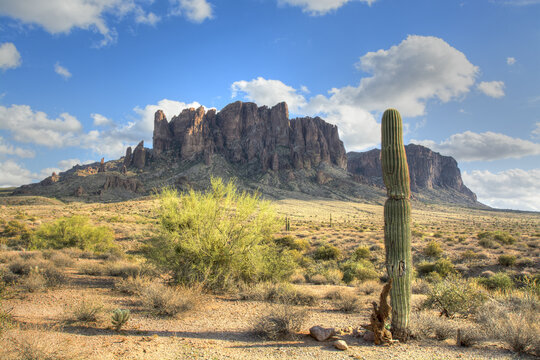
[499,281]
[507,260]
[455,295]
[361,270]
[218,238]
[327,252]
[433,249]
[170,301]
[75,231]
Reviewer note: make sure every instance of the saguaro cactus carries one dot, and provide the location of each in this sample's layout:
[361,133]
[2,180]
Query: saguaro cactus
[397,221]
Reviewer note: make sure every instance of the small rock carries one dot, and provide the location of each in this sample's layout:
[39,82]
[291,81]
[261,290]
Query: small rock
[487,274]
[341,345]
[322,334]
[369,336]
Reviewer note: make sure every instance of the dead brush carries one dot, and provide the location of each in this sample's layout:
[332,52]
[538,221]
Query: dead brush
[88,310]
[170,301]
[282,322]
[348,303]
[281,293]
[132,285]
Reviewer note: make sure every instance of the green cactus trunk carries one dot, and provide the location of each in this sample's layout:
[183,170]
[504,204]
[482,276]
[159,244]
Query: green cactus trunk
[397,221]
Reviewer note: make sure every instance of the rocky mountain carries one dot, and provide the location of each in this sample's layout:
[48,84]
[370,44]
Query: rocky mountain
[262,150]
[428,170]
[246,134]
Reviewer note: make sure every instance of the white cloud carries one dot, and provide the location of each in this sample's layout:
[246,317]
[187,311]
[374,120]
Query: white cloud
[14,174]
[470,146]
[8,149]
[510,189]
[36,127]
[62,71]
[494,89]
[9,56]
[194,10]
[268,92]
[319,7]
[407,75]
[404,77]
[536,131]
[100,120]
[510,60]
[147,18]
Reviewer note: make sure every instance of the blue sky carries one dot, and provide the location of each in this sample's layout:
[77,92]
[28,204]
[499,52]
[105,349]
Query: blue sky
[81,79]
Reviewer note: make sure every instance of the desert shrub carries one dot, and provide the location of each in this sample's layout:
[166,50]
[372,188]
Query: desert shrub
[348,303]
[369,287]
[469,255]
[87,310]
[361,252]
[433,249]
[499,281]
[122,269]
[74,231]
[282,293]
[170,301]
[33,281]
[422,323]
[488,243]
[132,285]
[61,259]
[468,335]
[218,238]
[455,295]
[336,294]
[507,260]
[327,252]
[361,270]
[298,277]
[282,322]
[443,267]
[324,272]
[516,326]
[318,279]
[292,243]
[501,237]
[92,268]
[421,286]
[18,230]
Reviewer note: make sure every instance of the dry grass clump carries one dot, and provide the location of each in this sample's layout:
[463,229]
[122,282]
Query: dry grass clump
[59,258]
[92,268]
[33,273]
[282,322]
[87,310]
[163,300]
[513,319]
[369,287]
[282,293]
[132,285]
[348,303]
[33,346]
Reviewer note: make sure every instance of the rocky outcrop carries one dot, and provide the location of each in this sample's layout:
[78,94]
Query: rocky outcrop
[50,180]
[127,158]
[101,166]
[117,182]
[247,134]
[427,169]
[139,156]
[79,192]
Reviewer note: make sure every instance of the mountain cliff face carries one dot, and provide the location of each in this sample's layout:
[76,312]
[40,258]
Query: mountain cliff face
[427,169]
[246,134]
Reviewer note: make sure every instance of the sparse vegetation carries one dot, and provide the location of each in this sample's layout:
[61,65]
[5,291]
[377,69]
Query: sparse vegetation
[218,238]
[170,301]
[282,322]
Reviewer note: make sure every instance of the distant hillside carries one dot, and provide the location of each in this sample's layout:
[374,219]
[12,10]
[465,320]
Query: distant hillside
[262,150]
[430,173]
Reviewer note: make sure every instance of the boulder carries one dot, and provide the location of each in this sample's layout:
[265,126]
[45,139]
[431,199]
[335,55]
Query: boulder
[341,345]
[322,334]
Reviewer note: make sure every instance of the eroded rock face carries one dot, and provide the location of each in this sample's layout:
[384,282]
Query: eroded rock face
[245,133]
[115,182]
[50,180]
[427,169]
[139,156]
[101,166]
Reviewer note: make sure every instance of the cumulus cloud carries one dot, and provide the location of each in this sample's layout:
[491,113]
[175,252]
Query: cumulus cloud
[61,16]
[100,120]
[9,56]
[510,60]
[14,174]
[494,89]
[510,189]
[405,76]
[62,71]
[194,10]
[268,92]
[8,149]
[319,7]
[471,146]
[36,127]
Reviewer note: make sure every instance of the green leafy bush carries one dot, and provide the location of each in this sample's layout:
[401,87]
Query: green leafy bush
[455,295]
[327,252]
[75,231]
[507,260]
[361,270]
[218,238]
[499,236]
[433,249]
[361,252]
[442,266]
[499,281]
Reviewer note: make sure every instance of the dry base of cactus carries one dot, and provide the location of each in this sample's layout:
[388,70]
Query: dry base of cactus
[379,316]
